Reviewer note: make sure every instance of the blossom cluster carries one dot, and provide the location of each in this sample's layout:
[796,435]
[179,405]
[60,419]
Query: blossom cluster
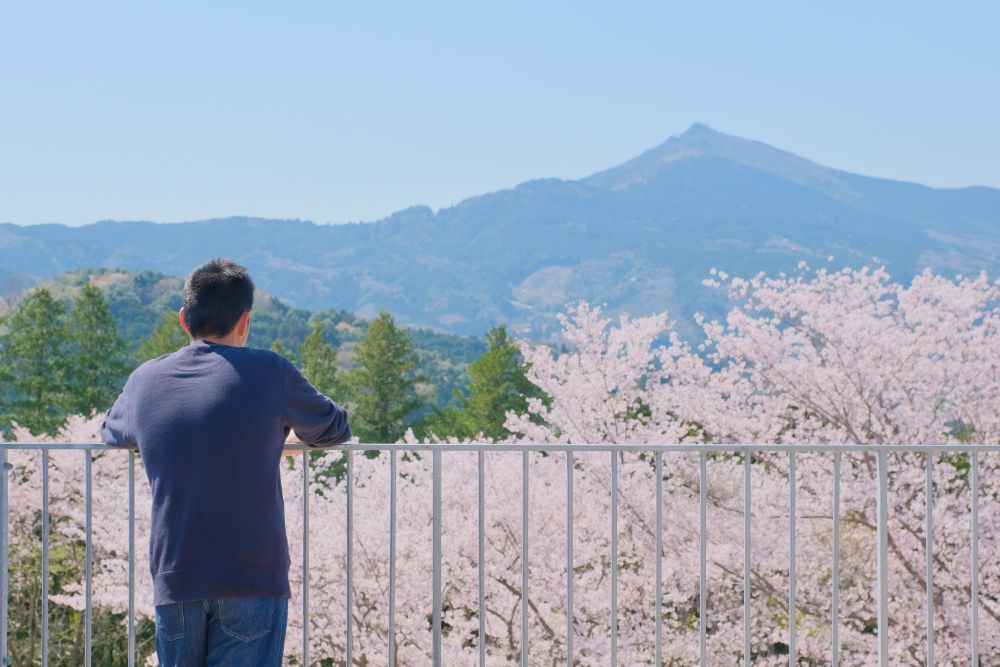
[816,357]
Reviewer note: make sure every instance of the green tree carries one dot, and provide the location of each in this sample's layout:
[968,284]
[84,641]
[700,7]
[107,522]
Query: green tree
[167,336]
[383,384]
[497,385]
[319,362]
[33,357]
[96,356]
[6,390]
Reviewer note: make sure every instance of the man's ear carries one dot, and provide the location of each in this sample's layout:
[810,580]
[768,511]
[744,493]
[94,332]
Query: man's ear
[184,325]
[244,324]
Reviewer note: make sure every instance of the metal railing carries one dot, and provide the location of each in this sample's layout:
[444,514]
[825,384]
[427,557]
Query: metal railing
[880,452]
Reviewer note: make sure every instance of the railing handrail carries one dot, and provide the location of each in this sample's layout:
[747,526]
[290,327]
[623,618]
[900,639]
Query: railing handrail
[694,448]
[702,449]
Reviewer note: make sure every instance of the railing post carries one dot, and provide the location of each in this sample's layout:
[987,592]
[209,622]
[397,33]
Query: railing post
[835,583]
[703,560]
[747,615]
[481,556]
[349,639]
[974,549]
[305,556]
[614,558]
[792,610]
[658,467]
[929,553]
[392,559]
[436,555]
[131,558]
[882,535]
[569,559]
[45,561]
[88,567]
[524,559]
[4,572]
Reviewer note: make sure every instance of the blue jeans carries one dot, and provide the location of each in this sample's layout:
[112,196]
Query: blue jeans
[223,632]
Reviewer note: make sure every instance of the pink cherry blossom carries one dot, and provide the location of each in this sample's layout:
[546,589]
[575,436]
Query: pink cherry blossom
[814,357]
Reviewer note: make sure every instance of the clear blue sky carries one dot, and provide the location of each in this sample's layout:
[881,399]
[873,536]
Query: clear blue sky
[348,111]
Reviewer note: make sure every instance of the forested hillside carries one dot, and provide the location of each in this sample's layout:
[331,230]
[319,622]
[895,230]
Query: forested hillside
[144,304]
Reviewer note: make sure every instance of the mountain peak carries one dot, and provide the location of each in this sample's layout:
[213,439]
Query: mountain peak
[699,129]
[700,140]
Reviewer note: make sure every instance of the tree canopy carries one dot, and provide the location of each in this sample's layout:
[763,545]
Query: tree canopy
[33,360]
[382,385]
[166,337]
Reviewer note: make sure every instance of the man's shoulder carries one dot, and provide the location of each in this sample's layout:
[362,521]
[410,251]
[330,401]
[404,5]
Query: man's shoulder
[151,365]
[257,358]
[240,355]
[259,354]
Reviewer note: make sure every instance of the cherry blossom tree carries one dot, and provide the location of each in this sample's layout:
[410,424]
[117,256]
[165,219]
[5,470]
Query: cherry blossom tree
[845,357]
[814,357]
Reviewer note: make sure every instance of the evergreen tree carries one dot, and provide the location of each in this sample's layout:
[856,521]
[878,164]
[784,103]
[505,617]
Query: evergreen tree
[383,385]
[96,357]
[167,336]
[319,362]
[6,390]
[33,358]
[293,326]
[497,385]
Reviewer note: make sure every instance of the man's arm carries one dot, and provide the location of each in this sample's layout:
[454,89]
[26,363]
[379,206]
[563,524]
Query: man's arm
[315,418]
[116,429]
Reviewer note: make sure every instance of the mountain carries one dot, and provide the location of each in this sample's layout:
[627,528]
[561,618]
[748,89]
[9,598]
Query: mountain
[639,237]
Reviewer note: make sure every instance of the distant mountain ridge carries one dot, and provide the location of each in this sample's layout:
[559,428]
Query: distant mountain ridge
[639,237]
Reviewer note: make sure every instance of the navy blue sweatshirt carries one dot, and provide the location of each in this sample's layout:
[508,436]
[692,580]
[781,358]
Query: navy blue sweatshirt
[210,421]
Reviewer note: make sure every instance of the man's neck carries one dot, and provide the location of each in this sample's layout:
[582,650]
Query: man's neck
[227,340]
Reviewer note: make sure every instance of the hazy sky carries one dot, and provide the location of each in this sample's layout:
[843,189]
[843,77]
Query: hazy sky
[348,111]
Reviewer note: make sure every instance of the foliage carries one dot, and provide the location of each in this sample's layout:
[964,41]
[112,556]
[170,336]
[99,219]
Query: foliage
[845,357]
[382,384]
[58,362]
[97,362]
[319,362]
[167,336]
[145,304]
[462,350]
[498,386]
[6,387]
[139,300]
[33,346]
[443,360]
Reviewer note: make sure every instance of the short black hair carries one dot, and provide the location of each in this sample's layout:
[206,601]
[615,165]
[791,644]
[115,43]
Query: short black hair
[216,295]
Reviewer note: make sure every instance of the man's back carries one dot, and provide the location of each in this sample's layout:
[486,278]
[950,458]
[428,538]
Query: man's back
[210,421]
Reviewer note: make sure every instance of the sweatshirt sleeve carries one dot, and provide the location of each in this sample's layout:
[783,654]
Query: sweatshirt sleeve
[116,428]
[316,419]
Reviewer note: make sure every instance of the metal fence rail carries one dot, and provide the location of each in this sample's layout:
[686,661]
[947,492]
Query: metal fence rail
[881,453]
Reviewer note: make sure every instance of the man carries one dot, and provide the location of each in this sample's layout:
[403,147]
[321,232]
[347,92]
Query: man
[210,421]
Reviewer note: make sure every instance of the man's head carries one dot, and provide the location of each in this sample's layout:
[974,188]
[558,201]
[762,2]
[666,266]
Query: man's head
[218,296]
